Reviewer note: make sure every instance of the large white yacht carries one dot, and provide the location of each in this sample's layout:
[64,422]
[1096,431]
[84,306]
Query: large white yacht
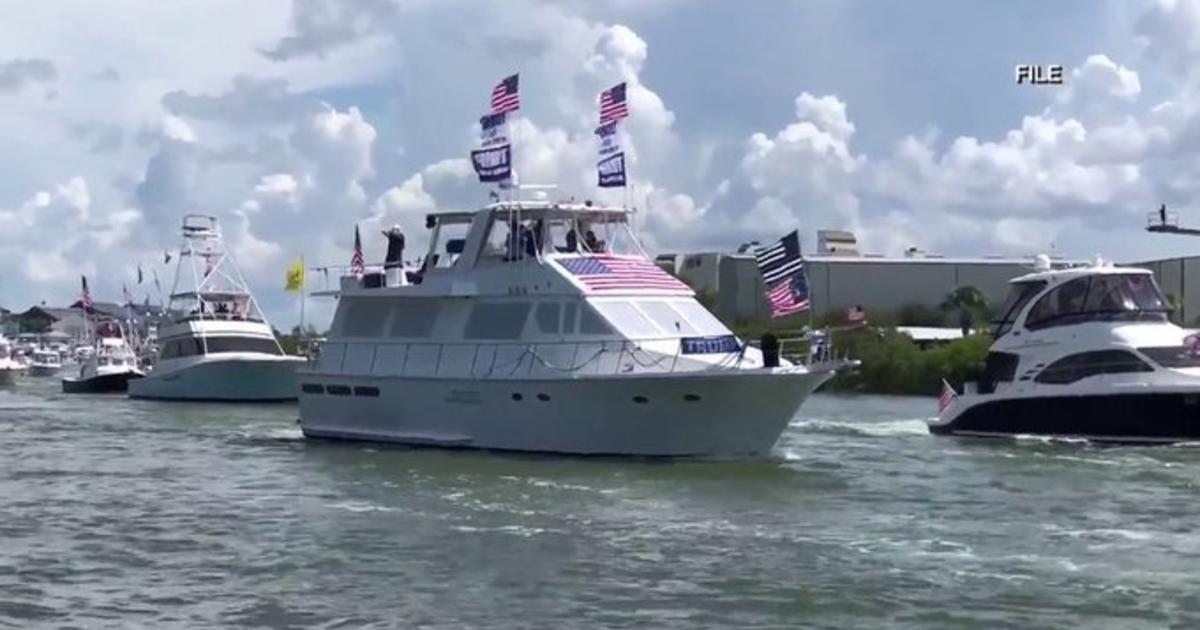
[217,345]
[1085,352]
[541,326]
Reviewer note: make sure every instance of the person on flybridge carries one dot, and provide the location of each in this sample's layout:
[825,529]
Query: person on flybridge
[393,263]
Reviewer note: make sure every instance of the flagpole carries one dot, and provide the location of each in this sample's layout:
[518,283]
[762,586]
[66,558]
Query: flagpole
[302,281]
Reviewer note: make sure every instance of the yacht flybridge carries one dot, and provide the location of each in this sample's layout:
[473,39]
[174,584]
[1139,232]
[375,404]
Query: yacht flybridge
[1085,352]
[542,326]
[217,345]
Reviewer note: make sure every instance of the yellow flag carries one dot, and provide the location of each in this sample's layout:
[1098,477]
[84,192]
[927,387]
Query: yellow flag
[295,277]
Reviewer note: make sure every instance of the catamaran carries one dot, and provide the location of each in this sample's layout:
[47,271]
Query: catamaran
[217,346]
[543,326]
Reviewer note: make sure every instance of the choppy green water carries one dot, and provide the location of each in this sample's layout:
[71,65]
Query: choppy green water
[116,513]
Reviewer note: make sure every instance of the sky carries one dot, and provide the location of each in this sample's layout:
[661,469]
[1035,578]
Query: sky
[294,120]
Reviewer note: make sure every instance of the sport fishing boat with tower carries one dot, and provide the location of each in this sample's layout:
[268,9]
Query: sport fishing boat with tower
[216,344]
[1085,352]
[543,326]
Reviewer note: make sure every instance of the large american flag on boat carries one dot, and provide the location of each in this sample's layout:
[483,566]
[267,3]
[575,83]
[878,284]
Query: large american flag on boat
[608,273]
[947,397]
[505,96]
[782,269]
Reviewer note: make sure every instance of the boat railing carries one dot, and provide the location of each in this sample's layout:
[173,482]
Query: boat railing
[483,360]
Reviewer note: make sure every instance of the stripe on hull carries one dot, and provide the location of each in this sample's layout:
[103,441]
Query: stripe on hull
[1124,418]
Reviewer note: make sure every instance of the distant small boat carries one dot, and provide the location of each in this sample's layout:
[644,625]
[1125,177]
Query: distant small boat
[45,363]
[10,368]
[108,369]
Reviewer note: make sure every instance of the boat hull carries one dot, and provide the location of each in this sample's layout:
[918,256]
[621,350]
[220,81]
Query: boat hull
[44,370]
[233,379]
[1160,417]
[116,382]
[728,414]
[8,376]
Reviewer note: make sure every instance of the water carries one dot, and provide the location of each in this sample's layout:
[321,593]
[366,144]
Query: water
[116,513]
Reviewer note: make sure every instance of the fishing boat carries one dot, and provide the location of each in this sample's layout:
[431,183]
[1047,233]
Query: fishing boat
[108,368]
[45,362]
[10,368]
[216,344]
[543,326]
[1085,352]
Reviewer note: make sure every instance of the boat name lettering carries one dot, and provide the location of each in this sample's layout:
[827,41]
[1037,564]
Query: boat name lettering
[710,345]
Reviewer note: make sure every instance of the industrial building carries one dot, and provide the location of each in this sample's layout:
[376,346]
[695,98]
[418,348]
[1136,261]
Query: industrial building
[840,277]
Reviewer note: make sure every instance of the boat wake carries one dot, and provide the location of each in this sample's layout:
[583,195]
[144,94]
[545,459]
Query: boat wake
[888,428]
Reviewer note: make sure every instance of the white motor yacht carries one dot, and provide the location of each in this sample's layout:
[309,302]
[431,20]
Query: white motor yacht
[46,362]
[524,331]
[1086,352]
[217,345]
[10,368]
[108,368]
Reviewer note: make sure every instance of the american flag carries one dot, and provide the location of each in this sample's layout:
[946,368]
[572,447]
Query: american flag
[788,296]
[85,299]
[357,267]
[126,294]
[947,398]
[856,315]
[608,273]
[505,97]
[612,104]
[782,269]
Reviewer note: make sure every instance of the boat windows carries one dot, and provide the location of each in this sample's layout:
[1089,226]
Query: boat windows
[1107,297]
[442,254]
[1173,356]
[217,345]
[591,323]
[700,318]
[497,320]
[668,319]
[414,318]
[999,367]
[547,316]
[362,317]
[1018,296]
[570,312]
[628,319]
[1079,366]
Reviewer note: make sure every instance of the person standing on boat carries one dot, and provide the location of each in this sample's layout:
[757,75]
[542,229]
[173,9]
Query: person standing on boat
[395,247]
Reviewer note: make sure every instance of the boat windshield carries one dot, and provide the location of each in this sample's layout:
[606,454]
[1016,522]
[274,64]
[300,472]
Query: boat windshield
[1102,297]
[1018,296]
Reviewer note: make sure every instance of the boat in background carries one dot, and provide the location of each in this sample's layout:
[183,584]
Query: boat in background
[45,362]
[110,366]
[10,368]
[217,346]
[1085,352]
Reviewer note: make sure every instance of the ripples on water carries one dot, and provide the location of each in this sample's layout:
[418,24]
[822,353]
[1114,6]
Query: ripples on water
[135,514]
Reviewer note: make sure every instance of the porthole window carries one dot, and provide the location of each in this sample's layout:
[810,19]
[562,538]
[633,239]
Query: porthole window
[691,397]
[517,397]
[641,400]
[543,397]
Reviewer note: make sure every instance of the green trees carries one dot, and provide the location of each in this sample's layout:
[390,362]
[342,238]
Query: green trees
[969,304]
[893,364]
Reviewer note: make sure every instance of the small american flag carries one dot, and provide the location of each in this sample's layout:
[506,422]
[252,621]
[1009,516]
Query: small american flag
[126,294]
[856,315]
[947,398]
[505,97]
[601,274]
[357,267]
[85,298]
[612,104]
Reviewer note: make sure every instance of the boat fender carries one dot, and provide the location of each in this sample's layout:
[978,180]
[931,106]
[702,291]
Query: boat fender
[770,350]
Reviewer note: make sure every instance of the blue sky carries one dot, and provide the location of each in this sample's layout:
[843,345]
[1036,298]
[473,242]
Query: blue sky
[292,120]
